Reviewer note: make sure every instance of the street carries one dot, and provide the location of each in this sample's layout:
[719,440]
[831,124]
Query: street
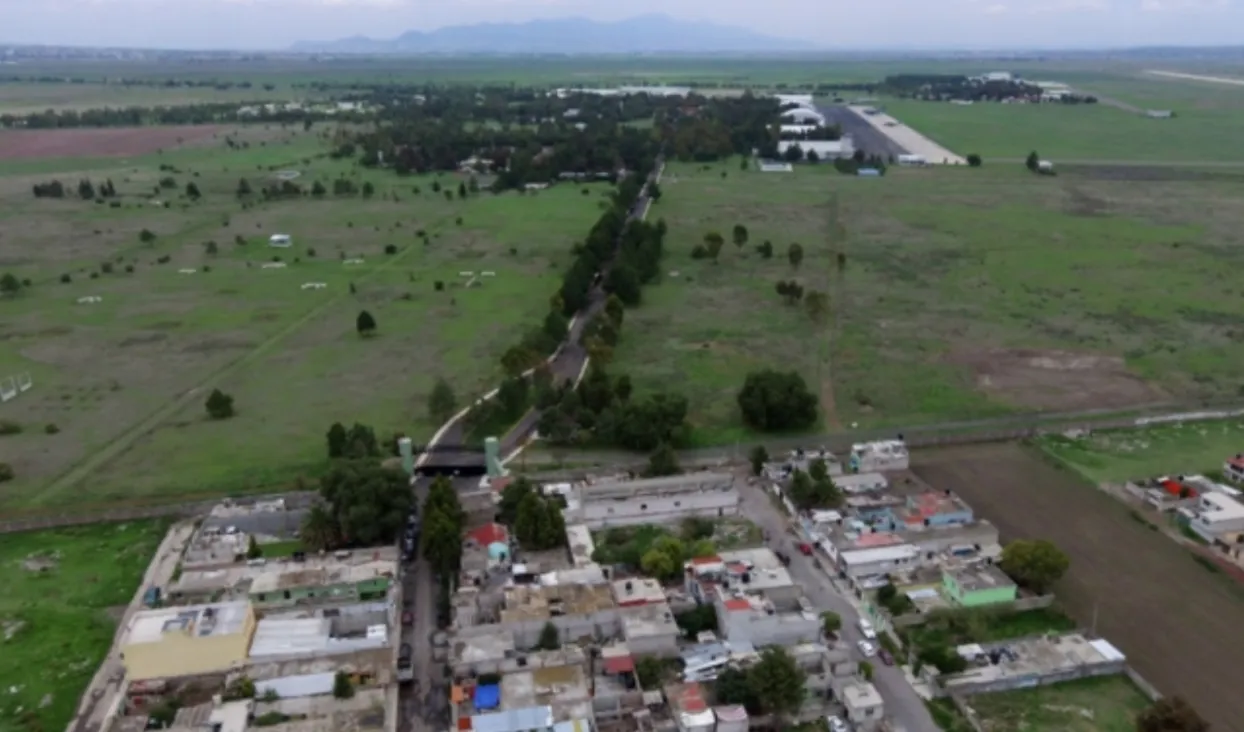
[902,705]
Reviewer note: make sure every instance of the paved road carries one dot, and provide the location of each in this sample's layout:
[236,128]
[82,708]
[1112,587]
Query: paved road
[865,136]
[902,704]
[566,364]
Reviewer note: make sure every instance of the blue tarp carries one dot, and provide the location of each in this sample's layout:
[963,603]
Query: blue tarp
[487,696]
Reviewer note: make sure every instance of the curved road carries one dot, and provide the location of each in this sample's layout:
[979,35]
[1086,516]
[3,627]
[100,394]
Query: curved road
[567,362]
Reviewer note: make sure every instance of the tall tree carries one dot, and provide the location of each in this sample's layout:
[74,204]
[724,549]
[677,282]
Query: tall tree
[713,242]
[795,254]
[662,462]
[1033,161]
[365,323]
[337,440]
[441,402]
[319,530]
[9,284]
[758,457]
[739,235]
[369,503]
[777,682]
[219,405]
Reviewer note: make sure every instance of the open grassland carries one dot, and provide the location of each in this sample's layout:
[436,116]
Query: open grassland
[1113,130]
[29,98]
[64,592]
[1176,621]
[1167,449]
[124,380]
[967,293]
[1102,704]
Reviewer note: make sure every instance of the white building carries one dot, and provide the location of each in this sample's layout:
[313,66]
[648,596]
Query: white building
[650,630]
[865,707]
[882,560]
[656,500]
[752,571]
[912,160]
[824,149]
[861,483]
[880,456]
[757,620]
[279,240]
[803,116]
[1233,469]
[1213,515]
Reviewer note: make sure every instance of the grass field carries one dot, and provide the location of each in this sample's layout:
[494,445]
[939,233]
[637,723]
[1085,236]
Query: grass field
[1176,621]
[123,379]
[1102,704]
[1168,449]
[1065,133]
[967,293]
[63,594]
[987,627]
[28,98]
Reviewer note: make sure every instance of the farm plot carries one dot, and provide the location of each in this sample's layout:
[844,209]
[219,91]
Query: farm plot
[121,381]
[1167,449]
[966,293]
[64,592]
[1176,621]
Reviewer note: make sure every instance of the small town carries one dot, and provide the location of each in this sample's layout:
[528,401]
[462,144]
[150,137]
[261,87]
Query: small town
[710,600]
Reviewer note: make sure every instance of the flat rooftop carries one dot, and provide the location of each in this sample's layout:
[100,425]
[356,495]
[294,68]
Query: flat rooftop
[861,695]
[539,602]
[644,621]
[619,487]
[638,591]
[564,688]
[579,539]
[980,577]
[482,644]
[1034,657]
[200,621]
[359,565]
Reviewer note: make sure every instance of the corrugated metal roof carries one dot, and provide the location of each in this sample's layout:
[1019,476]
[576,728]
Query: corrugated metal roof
[275,637]
[514,720]
[295,687]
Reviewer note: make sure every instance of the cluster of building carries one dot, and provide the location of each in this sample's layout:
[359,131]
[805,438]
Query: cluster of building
[892,528]
[1209,509]
[508,677]
[233,643]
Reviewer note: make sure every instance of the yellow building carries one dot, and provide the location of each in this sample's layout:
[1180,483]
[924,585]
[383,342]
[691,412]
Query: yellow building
[181,641]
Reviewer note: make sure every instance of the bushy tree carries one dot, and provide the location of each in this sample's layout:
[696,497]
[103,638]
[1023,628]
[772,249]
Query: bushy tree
[974,160]
[219,405]
[550,638]
[538,522]
[9,284]
[739,235]
[1035,564]
[1171,714]
[758,457]
[662,462]
[794,253]
[774,401]
[192,191]
[1032,162]
[831,622]
[368,503]
[365,323]
[777,682]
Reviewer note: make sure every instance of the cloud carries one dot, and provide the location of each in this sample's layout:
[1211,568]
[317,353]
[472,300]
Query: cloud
[995,9]
[1176,6]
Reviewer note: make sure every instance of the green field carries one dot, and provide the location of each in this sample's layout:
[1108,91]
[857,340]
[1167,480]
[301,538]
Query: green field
[64,592]
[966,294]
[1102,704]
[123,380]
[1169,449]
[1202,131]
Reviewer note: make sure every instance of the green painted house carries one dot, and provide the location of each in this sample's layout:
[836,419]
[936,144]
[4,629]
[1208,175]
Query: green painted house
[978,585]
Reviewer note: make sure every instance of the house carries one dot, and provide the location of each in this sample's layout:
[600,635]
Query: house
[1233,469]
[879,561]
[181,641]
[1213,515]
[864,705]
[977,585]
[760,622]
[348,578]
[824,149]
[880,456]
[280,240]
[624,502]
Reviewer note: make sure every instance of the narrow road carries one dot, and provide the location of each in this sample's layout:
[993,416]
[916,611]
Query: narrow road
[902,704]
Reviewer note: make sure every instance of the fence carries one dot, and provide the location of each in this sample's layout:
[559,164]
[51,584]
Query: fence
[296,499]
[1145,687]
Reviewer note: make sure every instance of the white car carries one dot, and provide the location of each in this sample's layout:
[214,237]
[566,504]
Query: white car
[868,649]
[837,725]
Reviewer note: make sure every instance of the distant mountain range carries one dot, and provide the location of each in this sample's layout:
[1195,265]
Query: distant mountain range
[641,34]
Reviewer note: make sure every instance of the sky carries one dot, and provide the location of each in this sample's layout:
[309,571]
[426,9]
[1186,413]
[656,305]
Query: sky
[835,24]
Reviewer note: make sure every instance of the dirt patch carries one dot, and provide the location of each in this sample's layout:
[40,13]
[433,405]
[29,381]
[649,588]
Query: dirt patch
[1149,174]
[41,562]
[220,343]
[143,339]
[108,142]
[1177,622]
[1056,380]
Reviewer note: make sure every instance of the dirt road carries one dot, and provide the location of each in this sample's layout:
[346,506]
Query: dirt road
[97,701]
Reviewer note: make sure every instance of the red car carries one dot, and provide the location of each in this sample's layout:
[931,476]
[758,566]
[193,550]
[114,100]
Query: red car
[408,618]
[805,549]
[885,657]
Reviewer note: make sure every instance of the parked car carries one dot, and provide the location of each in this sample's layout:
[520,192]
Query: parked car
[805,549]
[837,725]
[408,618]
[885,657]
[867,649]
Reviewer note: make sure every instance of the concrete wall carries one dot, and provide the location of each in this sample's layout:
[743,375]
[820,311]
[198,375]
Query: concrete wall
[598,514]
[1027,682]
[1023,603]
[601,625]
[178,654]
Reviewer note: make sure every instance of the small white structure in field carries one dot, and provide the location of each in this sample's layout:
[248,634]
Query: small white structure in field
[8,389]
[314,285]
[280,240]
[1045,166]
[274,265]
[356,260]
[90,300]
[487,273]
[912,160]
[187,270]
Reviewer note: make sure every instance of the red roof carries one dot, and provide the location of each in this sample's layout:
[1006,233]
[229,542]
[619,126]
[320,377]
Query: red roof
[690,698]
[1237,462]
[738,603]
[489,534]
[707,560]
[619,665]
[1175,488]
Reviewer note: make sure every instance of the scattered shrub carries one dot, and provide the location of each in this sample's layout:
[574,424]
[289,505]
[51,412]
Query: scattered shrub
[51,429]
